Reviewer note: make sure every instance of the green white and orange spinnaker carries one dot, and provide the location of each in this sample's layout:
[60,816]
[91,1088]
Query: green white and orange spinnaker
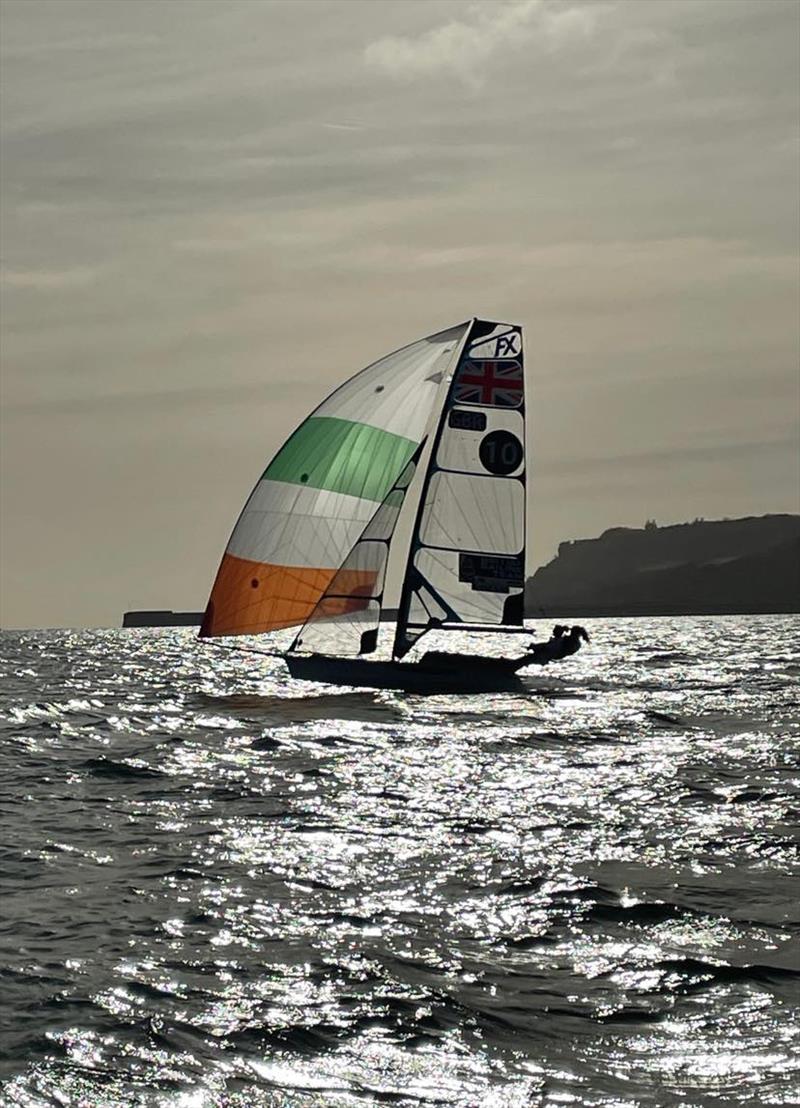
[321,490]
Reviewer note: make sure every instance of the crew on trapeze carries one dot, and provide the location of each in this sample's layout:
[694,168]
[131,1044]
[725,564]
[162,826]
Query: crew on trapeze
[563,642]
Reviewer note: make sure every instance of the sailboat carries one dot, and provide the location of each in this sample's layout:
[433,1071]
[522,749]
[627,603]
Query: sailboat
[417,463]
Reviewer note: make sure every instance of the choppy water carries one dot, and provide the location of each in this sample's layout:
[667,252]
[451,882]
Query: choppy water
[221,888]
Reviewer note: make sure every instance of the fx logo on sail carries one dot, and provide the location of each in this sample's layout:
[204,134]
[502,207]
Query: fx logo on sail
[505,345]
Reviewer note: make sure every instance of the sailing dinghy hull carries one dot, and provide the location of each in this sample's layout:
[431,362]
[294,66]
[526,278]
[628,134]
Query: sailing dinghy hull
[434,674]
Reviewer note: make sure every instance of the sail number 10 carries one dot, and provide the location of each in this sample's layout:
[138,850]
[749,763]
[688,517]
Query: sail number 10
[500,453]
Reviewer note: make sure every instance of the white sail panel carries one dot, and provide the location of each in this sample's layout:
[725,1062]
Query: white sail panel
[341,630]
[291,525]
[469,513]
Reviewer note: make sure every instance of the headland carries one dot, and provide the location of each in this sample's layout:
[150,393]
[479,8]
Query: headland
[708,567]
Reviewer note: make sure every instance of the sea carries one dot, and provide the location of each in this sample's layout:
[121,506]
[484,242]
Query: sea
[225,889]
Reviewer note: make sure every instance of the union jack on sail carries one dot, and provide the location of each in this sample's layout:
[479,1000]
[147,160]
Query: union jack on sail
[495,384]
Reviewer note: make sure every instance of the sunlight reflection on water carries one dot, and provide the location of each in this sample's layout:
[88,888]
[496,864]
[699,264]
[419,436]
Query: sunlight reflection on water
[223,888]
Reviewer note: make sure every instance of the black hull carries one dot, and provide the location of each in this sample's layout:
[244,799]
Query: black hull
[433,674]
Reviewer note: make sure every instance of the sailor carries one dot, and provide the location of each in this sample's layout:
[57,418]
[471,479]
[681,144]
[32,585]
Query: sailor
[571,643]
[560,645]
[545,652]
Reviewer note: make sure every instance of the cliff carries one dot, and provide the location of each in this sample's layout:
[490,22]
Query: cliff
[704,568]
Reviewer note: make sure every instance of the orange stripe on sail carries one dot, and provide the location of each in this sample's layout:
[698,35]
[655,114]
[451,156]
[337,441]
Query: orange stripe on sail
[250,598]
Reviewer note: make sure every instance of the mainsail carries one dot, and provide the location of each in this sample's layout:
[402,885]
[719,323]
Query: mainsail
[466,563]
[321,490]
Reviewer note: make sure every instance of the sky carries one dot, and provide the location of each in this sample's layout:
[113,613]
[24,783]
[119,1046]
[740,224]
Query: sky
[213,211]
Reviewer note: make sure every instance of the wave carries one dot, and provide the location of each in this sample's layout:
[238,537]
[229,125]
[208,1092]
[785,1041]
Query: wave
[365,707]
[123,770]
[641,914]
[696,973]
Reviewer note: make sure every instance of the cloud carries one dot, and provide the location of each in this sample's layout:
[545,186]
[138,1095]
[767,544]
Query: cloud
[464,48]
[45,280]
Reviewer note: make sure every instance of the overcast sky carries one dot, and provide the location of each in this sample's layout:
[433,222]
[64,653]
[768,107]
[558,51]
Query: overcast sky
[214,211]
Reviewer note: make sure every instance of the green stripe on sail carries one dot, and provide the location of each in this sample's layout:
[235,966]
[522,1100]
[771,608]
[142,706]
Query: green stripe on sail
[342,456]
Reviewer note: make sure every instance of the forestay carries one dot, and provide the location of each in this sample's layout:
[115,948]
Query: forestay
[321,490]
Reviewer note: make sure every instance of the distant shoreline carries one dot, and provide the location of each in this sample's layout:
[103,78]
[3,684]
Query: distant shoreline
[161,617]
[578,612]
